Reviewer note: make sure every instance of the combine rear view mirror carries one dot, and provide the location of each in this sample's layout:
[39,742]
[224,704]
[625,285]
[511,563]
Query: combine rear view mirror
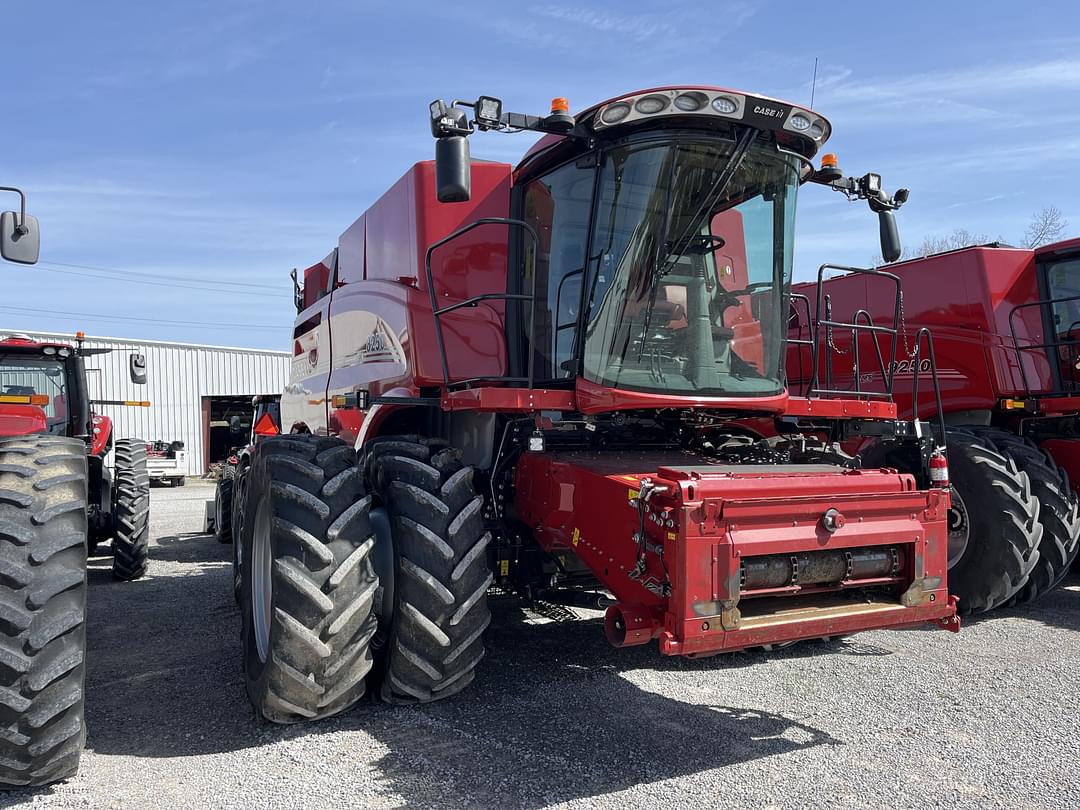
[19,242]
[137,367]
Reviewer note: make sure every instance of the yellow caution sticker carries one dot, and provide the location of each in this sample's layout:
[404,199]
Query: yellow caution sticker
[575,538]
[672,536]
[633,494]
[504,568]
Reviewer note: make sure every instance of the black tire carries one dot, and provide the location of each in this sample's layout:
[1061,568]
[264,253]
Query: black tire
[1001,519]
[307,537]
[43,488]
[179,482]
[1059,512]
[131,540]
[223,504]
[239,498]
[441,571]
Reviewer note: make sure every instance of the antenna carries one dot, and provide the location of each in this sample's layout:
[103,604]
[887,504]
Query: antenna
[813,84]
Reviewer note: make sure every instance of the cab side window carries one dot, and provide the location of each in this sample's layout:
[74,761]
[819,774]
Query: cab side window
[557,206]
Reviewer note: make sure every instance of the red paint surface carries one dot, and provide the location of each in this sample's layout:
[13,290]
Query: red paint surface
[20,420]
[102,427]
[583,503]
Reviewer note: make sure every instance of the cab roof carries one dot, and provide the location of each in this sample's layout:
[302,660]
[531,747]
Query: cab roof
[776,114]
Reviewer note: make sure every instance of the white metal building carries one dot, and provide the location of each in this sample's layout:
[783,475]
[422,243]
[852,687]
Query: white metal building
[193,390]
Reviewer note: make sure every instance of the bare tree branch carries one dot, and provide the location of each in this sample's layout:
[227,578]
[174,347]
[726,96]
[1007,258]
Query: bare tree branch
[1046,226]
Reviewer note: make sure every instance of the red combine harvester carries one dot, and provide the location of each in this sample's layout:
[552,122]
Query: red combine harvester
[1006,322]
[537,377]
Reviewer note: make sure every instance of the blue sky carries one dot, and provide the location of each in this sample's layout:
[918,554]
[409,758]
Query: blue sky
[183,157]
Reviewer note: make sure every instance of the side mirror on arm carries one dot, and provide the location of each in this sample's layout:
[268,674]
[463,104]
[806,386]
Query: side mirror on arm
[20,239]
[891,249]
[453,169]
[137,368]
[19,242]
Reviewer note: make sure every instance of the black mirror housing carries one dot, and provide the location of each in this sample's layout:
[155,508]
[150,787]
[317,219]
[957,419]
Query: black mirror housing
[137,368]
[19,243]
[453,169]
[890,236]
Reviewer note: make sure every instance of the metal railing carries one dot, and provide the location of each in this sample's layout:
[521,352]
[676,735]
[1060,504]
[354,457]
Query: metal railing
[475,300]
[1058,387]
[823,327]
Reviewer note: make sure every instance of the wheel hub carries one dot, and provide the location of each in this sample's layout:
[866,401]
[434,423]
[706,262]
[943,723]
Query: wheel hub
[261,572]
[959,528]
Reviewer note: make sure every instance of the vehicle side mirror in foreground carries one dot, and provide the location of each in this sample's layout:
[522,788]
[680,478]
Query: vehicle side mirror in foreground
[137,367]
[19,242]
[890,236]
[453,169]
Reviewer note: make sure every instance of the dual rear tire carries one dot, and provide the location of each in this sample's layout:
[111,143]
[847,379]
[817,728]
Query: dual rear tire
[1015,521]
[331,602]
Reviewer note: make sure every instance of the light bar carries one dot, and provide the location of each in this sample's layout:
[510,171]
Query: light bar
[24,399]
[763,113]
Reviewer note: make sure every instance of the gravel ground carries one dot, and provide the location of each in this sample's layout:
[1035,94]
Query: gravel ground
[988,718]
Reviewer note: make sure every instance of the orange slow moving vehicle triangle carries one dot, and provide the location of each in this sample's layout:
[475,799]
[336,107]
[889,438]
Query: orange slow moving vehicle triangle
[265,426]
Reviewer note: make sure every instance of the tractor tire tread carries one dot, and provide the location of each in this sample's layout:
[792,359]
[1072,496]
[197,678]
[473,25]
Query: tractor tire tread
[1059,511]
[442,574]
[131,541]
[42,608]
[323,583]
[1001,553]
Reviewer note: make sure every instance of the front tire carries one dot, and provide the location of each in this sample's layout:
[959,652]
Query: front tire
[441,572]
[43,531]
[998,518]
[131,541]
[307,581]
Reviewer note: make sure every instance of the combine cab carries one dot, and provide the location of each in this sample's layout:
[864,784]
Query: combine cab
[567,378]
[1007,326]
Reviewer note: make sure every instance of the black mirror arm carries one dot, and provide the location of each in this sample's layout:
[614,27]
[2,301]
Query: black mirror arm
[21,228]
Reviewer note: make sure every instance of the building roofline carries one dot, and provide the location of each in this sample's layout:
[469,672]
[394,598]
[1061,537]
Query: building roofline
[69,337]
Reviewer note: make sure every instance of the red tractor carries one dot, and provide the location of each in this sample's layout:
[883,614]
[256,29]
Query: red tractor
[1006,323]
[58,498]
[539,377]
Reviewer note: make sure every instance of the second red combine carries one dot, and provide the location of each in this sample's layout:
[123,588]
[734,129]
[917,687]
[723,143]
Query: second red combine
[541,377]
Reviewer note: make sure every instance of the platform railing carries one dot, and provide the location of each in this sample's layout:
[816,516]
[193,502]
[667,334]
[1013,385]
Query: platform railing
[1049,350]
[475,300]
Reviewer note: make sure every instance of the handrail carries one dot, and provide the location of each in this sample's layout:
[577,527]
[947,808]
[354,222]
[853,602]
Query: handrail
[917,372]
[437,311]
[823,305]
[1042,304]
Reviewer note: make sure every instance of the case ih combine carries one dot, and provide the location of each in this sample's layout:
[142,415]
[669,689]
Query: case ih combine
[57,500]
[1007,327]
[541,377]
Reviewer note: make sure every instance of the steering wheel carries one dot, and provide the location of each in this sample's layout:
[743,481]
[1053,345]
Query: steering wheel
[701,244]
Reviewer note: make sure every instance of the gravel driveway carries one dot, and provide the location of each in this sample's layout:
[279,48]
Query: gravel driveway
[912,718]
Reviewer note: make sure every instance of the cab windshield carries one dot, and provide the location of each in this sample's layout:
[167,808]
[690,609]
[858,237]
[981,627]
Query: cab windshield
[34,384]
[691,254]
